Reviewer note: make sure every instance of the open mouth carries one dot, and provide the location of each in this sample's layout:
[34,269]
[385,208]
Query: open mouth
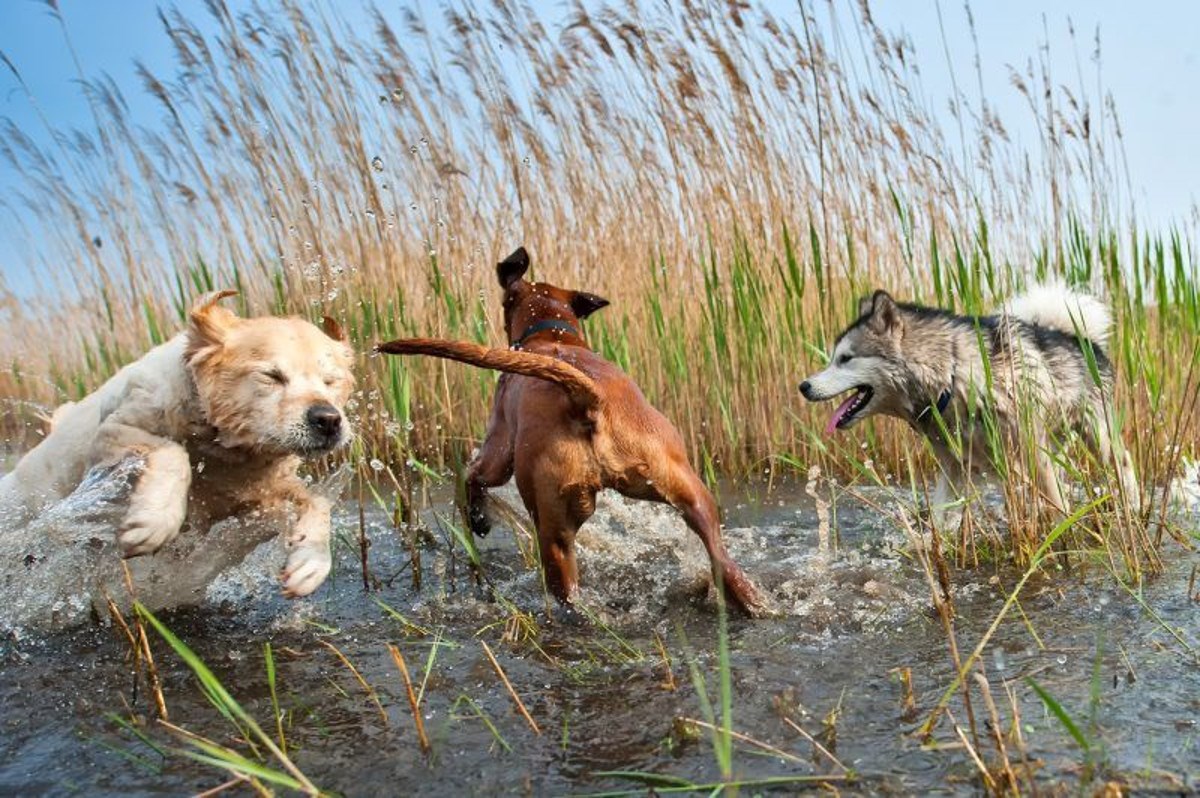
[848,410]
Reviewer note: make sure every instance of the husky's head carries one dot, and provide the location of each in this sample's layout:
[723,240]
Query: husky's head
[867,360]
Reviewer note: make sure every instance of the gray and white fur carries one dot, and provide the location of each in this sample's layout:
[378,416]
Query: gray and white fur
[918,363]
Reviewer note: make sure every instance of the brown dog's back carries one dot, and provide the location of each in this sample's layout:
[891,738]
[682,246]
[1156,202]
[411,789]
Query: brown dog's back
[567,423]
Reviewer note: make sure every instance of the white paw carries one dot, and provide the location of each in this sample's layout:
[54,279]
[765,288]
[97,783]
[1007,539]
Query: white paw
[158,505]
[306,569]
[148,527]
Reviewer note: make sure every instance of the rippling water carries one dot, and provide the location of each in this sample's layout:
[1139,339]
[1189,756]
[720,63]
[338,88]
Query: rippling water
[848,616]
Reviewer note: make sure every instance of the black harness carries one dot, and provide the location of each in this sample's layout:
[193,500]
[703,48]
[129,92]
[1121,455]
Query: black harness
[543,326]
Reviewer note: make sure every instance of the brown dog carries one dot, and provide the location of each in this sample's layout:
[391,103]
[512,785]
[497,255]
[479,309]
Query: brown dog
[570,423]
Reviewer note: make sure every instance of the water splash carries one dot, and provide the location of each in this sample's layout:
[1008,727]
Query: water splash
[58,570]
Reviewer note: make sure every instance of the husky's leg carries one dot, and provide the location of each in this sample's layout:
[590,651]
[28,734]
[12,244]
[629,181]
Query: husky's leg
[946,504]
[1111,451]
[1046,474]
[1098,429]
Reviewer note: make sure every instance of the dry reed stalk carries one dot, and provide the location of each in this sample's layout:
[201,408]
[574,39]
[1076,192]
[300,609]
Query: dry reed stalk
[668,682]
[143,645]
[368,689]
[989,782]
[1012,786]
[816,744]
[746,739]
[508,685]
[418,721]
[220,788]
[908,700]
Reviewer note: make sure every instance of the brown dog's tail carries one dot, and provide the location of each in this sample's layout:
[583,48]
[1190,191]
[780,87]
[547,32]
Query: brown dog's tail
[579,386]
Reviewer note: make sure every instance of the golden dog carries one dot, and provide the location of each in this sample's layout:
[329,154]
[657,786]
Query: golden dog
[221,416]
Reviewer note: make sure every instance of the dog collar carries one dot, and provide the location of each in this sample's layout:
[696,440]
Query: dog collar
[943,401]
[543,326]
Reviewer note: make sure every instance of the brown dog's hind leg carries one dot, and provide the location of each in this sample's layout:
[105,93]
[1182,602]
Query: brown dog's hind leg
[558,520]
[687,494]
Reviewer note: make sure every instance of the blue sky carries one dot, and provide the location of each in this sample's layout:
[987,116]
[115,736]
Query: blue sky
[1150,63]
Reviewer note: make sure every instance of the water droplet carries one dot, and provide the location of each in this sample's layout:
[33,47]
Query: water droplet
[376,464]
[377,164]
[397,95]
[1061,659]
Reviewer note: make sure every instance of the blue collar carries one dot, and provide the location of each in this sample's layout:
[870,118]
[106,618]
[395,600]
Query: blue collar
[543,326]
[943,401]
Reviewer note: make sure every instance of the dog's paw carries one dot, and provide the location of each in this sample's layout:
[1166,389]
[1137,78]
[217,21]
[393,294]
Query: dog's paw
[158,506]
[145,531]
[481,523]
[306,569]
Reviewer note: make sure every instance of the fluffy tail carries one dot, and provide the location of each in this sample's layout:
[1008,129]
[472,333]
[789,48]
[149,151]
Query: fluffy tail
[579,386]
[1058,307]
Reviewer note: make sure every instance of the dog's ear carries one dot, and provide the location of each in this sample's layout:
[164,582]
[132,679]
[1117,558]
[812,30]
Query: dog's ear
[208,321]
[865,305]
[334,330]
[584,304]
[512,268]
[885,315]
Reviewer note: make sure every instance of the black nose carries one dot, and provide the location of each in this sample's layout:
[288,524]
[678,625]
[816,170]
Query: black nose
[324,418]
[805,388]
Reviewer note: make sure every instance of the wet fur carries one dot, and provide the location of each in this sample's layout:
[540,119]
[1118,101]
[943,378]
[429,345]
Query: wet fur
[912,357]
[568,423]
[215,434]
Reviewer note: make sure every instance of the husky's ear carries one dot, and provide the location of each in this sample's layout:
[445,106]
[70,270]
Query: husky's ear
[884,313]
[208,321]
[584,304]
[512,268]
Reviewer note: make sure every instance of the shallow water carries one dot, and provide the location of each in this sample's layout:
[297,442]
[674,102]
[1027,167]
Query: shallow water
[598,687]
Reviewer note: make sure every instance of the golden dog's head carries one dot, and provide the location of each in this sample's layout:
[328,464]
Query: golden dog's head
[271,385]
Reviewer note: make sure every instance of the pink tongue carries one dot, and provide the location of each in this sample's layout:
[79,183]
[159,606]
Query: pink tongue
[831,427]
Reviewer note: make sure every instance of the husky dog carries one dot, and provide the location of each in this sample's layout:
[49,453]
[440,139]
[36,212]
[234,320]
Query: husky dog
[1029,367]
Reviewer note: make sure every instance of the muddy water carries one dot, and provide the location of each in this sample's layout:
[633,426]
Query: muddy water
[598,686]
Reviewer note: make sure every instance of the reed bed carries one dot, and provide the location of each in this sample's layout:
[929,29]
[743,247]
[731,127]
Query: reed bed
[733,178]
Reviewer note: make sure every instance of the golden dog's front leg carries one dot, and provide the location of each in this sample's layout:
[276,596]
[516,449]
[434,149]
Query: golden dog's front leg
[307,542]
[158,504]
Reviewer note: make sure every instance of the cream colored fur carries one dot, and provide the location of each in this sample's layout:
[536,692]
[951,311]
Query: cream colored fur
[220,416]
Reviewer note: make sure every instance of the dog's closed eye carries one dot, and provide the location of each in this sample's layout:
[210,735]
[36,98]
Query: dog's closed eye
[844,359]
[275,375]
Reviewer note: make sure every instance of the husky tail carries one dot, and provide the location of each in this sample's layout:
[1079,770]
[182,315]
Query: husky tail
[1056,306]
[579,386]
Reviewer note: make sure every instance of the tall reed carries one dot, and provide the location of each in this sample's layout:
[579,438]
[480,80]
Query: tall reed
[732,177]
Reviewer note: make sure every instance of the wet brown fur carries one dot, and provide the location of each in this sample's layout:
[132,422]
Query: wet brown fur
[568,423]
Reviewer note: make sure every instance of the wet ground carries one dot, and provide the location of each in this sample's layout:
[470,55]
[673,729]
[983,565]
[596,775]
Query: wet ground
[604,694]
